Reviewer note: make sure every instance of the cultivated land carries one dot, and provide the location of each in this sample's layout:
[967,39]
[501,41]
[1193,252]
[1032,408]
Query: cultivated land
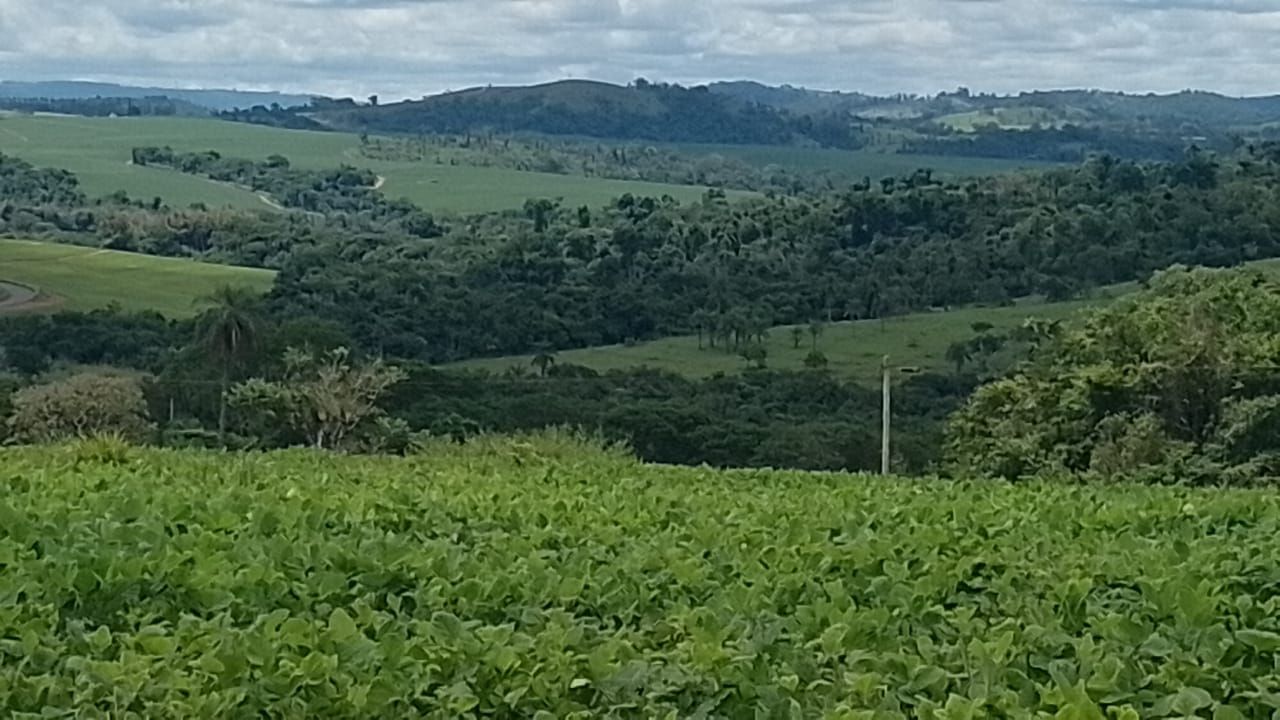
[78,278]
[98,151]
[543,578]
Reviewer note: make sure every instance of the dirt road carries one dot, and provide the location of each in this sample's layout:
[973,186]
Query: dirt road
[13,296]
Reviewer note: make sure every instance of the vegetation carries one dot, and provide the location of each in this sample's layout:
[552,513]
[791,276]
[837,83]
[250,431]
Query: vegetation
[158,106]
[544,579]
[642,111]
[77,278]
[1178,382]
[853,349]
[324,400]
[81,406]
[642,269]
[98,151]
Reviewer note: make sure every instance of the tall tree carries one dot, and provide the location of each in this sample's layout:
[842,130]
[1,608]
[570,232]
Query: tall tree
[229,331]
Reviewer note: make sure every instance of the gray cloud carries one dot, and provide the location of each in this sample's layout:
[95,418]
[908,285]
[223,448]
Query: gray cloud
[412,47]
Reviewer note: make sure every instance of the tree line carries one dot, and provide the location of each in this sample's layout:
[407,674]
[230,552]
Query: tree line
[621,161]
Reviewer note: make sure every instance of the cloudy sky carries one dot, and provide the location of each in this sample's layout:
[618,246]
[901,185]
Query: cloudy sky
[402,48]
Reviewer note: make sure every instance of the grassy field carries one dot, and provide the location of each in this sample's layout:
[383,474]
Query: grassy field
[1010,118]
[853,349]
[81,278]
[98,151]
[543,578]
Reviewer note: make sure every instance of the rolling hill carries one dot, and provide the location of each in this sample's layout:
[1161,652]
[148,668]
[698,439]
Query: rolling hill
[98,151]
[79,278]
[853,349]
[210,99]
[660,113]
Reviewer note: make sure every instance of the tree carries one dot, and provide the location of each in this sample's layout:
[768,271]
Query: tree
[816,330]
[229,332]
[80,406]
[1178,382]
[326,398]
[543,361]
[815,360]
[754,352]
[959,353]
[797,335]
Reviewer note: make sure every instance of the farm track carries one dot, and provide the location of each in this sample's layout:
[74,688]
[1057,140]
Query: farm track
[15,296]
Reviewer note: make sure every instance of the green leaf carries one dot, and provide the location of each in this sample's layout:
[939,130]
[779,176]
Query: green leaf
[1261,640]
[1190,699]
[156,644]
[1226,712]
[341,626]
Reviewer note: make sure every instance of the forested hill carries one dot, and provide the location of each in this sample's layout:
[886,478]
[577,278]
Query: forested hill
[209,99]
[1207,110]
[641,111]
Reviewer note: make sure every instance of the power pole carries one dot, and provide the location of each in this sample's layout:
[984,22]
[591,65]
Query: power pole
[885,416]
[886,374]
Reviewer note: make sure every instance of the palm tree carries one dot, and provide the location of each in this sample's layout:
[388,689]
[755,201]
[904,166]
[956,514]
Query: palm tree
[229,332]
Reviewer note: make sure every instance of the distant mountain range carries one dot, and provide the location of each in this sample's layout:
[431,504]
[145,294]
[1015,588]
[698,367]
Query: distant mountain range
[213,100]
[1050,125]
[1058,125]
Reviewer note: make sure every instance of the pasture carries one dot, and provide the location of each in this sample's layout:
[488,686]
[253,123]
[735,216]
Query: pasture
[853,349]
[79,278]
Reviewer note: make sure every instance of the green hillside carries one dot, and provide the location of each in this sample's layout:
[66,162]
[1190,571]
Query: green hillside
[542,578]
[79,278]
[98,151]
[853,349]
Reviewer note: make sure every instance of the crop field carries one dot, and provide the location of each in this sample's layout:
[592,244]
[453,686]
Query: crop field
[98,151]
[80,278]
[540,578]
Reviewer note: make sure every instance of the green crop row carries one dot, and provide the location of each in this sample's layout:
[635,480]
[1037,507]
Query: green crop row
[533,580]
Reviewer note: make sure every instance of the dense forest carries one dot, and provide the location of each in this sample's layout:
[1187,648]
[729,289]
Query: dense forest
[354,273]
[552,277]
[644,111]
[1070,143]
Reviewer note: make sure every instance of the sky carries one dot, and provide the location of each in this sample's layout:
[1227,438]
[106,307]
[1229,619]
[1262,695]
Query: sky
[410,48]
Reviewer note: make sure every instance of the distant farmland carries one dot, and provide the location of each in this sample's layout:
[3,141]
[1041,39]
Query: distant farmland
[78,278]
[98,151]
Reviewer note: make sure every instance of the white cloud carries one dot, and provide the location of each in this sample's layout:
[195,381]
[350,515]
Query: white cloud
[413,47]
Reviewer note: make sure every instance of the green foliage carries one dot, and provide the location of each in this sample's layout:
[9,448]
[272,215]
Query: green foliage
[538,578]
[81,406]
[326,399]
[1181,379]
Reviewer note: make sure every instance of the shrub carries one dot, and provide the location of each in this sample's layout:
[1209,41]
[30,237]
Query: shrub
[81,406]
